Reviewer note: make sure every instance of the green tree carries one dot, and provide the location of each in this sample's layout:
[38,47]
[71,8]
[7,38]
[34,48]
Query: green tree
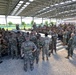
[24,24]
[32,22]
[46,23]
[10,23]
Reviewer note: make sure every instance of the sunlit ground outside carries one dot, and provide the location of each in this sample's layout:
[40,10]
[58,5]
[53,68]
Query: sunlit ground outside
[12,27]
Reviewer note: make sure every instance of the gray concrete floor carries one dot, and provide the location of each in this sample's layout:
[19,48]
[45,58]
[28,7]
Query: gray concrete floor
[57,65]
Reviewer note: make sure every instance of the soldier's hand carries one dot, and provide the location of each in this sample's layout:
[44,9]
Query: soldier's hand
[33,51]
[22,55]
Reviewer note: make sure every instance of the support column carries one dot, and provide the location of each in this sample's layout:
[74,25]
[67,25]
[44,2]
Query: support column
[42,21]
[33,18]
[6,21]
[21,23]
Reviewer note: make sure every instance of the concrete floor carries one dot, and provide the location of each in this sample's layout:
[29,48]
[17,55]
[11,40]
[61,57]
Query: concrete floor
[57,65]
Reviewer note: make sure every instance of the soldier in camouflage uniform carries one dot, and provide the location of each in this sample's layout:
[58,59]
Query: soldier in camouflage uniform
[71,45]
[0,47]
[27,50]
[13,44]
[20,40]
[45,50]
[39,45]
[54,39]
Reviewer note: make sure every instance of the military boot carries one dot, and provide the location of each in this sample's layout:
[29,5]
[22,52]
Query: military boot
[67,57]
[31,67]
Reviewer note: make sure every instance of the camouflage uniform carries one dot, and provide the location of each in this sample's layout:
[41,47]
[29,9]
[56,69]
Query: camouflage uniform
[54,38]
[0,48]
[39,45]
[26,49]
[13,45]
[20,40]
[45,50]
[65,37]
[71,45]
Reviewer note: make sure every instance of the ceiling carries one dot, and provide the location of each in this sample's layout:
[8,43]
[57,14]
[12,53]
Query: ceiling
[39,8]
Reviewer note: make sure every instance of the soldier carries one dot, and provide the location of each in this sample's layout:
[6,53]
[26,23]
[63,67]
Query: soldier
[33,37]
[39,45]
[71,45]
[20,40]
[64,37]
[54,38]
[45,50]
[0,48]
[13,44]
[27,50]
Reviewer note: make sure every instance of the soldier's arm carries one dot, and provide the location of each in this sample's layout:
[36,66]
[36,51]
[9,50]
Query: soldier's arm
[34,47]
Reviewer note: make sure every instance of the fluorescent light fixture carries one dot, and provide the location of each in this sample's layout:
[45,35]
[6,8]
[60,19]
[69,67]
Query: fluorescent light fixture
[21,2]
[62,3]
[27,3]
[73,0]
[44,9]
[17,7]
[51,5]
[56,4]
[47,7]
[23,7]
[31,0]
[68,1]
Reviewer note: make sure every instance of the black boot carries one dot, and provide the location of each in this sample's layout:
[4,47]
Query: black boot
[31,67]
[43,58]
[47,58]
[67,57]
[1,62]
[71,56]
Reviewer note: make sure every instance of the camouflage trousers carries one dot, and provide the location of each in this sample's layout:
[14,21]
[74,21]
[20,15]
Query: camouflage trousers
[70,50]
[14,51]
[45,51]
[28,60]
[36,55]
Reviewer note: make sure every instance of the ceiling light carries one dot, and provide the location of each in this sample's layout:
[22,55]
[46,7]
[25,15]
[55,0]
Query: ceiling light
[17,6]
[21,2]
[47,7]
[23,7]
[51,5]
[31,0]
[27,3]
[56,4]
[62,3]
[68,1]
[73,0]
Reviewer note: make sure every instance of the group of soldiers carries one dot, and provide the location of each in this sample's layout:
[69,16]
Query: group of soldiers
[66,33]
[18,44]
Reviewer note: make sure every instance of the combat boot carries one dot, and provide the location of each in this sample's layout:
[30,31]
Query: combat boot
[43,58]
[67,57]
[1,62]
[31,67]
